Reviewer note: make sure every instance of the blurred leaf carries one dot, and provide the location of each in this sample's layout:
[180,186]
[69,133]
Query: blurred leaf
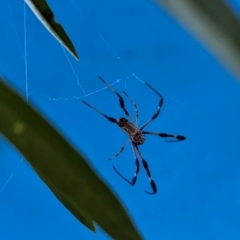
[72,207]
[42,11]
[212,22]
[62,168]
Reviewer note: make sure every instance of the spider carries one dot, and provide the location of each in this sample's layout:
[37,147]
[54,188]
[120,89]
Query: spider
[135,133]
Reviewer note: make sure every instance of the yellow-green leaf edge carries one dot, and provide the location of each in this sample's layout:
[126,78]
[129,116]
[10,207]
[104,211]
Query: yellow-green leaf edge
[45,15]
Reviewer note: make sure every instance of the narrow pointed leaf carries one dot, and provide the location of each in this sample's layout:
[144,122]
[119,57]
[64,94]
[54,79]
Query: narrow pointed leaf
[43,12]
[62,168]
[73,207]
[214,24]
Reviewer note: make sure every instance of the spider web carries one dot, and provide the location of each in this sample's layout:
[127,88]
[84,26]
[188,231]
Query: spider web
[51,79]
[198,180]
[23,48]
[76,82]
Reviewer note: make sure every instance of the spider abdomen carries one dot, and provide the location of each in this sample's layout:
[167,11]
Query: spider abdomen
[138,138]
[131,130]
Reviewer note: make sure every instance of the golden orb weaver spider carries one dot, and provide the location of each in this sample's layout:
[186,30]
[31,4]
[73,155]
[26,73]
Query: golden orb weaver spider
[136,135]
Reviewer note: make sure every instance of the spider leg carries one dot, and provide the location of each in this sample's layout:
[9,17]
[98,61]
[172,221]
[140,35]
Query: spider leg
[145,165]
[121,150]
[111,119]
[135,107]
[121,101]
[178,138]
[134,179]
[158,108]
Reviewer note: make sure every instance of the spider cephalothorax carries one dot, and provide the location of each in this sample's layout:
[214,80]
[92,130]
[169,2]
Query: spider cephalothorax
[135,133]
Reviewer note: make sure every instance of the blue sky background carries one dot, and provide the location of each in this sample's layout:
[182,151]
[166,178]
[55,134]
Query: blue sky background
[125,42]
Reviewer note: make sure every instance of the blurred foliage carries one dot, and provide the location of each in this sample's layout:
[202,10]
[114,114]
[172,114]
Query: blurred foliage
[214,24]
[64,170]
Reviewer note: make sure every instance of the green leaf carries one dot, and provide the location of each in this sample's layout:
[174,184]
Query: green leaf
[62,168]
[43,12]
[214,24]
